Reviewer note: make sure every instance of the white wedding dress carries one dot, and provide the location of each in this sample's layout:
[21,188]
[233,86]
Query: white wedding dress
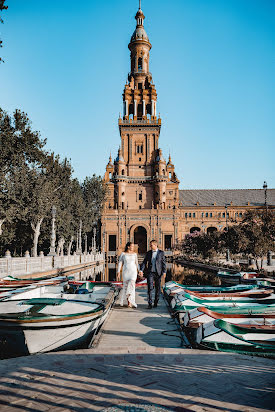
[129,275]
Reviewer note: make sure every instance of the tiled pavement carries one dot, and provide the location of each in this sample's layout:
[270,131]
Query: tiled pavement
[135,364]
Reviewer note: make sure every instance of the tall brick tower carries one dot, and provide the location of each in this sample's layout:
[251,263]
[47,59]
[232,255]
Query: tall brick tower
[144,200]
[142,186]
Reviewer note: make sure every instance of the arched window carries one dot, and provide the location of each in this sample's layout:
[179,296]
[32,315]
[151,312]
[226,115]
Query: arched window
[110,175]
[195,229]
[140,64]
[140,196]
[211,229]
[122,172]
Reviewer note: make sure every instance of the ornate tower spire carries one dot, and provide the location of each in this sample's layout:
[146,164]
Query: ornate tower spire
[140,95]
[139,46]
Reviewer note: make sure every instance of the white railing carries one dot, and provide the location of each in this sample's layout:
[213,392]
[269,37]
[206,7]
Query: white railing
[15,266]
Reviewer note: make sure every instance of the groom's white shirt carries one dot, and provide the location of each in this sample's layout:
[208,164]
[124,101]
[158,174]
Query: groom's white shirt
[153,260]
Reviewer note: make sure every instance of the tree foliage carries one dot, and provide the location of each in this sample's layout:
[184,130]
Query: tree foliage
[94,194]
[202,245]
[21,152]
[32,181]
[252,237]
[2,7]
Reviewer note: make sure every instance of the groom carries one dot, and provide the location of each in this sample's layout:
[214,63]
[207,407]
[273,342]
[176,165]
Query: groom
[155,264]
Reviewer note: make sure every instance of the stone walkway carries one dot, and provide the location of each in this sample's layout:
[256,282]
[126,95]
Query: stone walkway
[135,364]
[140,330]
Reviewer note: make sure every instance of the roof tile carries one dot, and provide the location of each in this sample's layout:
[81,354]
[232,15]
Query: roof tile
[221,197]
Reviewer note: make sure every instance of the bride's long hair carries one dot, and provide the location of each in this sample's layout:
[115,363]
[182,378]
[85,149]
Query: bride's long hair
[128,244]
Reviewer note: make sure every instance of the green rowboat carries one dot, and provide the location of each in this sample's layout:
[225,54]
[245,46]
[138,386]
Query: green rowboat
[251,340]
[174,287]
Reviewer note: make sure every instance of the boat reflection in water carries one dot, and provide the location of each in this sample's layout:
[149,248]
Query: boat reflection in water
[110,272]
[175,272]
[95,273]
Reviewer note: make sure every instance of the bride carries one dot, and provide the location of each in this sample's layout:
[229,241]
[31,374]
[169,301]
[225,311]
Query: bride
[128,260]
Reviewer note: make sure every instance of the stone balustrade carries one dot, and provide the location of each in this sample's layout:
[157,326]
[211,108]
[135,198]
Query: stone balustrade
[16,266]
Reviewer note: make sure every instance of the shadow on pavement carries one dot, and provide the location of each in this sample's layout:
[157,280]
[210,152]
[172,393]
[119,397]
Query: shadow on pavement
[81,381]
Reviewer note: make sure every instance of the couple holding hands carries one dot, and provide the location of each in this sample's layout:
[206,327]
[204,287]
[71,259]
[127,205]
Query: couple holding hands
[153,266]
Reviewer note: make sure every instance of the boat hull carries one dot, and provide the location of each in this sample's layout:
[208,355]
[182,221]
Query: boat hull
[238,348]
[223,336]
[172,287]
[203,315]
[25,339]
[41,325]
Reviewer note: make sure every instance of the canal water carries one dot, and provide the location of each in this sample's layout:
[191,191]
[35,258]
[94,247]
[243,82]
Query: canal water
[188,276]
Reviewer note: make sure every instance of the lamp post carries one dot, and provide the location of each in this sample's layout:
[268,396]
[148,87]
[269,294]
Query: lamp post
[53,234]
[265,195]
[269,253]
[103,240]
[226,224]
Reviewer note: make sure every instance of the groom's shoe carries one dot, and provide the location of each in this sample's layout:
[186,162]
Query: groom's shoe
[149,306]
[155,304]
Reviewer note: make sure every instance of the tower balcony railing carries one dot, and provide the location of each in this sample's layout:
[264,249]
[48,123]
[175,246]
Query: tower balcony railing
[154,178]
[132,178]
[152,120]
[140,71]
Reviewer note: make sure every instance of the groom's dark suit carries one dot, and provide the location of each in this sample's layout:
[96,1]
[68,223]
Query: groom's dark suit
[155,274]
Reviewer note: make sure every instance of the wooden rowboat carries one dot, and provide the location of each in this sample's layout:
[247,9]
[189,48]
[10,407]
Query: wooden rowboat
[256,293]
[188,301]
[172,288]
[46,318]
[9,292]
[202,315]
[235,278]
[227,337]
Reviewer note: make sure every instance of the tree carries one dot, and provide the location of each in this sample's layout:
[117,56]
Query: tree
[258,228]
[46,186]
[234,239]
[202,244]
[189,245]
[21,149]
[2,7]
[94,195]
[69,213]
[32,181]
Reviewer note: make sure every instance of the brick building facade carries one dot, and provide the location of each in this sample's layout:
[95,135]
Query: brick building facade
[144,200]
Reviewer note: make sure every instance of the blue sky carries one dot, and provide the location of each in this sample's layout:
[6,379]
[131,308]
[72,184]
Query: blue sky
[212,61]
